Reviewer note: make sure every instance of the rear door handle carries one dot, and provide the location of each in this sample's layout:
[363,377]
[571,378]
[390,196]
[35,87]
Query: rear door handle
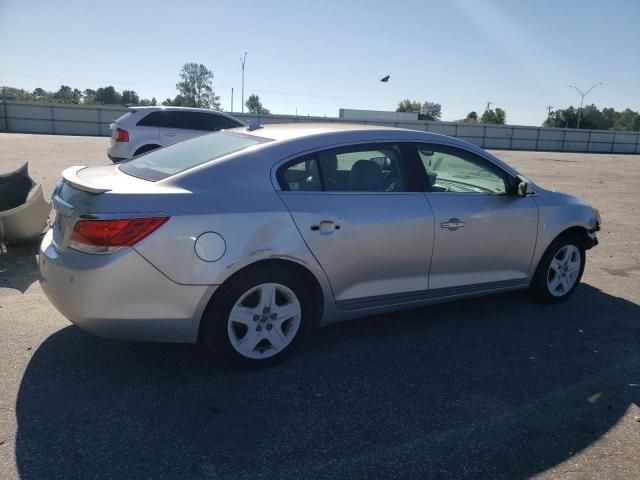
[452,224]
[170,134]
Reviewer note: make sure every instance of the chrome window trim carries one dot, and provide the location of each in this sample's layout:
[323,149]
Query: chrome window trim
[121,215]
[481,153]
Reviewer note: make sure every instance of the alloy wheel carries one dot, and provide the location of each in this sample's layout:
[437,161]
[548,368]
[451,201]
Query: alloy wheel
[564,270]
[264,320]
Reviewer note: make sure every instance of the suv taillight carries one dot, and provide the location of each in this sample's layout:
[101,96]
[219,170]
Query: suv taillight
[122,135]
[108,236]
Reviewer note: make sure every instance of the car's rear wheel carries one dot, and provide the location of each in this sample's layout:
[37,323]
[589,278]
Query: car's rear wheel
[560,270]
[258,317]
[145,149]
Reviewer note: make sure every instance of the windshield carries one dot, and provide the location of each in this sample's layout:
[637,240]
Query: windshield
[164,162]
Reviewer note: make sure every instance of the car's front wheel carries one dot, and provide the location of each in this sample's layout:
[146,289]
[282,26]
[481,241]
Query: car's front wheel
[560,270]
[258,317]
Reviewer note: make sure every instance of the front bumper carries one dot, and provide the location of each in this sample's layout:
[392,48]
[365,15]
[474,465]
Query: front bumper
[120,296]
[592,239]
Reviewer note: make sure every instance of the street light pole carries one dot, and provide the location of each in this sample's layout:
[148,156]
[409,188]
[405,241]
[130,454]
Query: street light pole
[582,95]
[243,59]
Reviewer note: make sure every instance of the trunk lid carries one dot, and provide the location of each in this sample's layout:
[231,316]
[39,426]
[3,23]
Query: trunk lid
[100,190]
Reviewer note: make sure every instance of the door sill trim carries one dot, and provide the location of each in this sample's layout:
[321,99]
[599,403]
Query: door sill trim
[429,296]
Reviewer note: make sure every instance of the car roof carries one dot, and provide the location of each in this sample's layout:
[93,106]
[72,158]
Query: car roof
[300,136]
[299,131]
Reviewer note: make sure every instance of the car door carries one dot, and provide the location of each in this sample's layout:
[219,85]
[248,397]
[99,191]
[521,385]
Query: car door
[485,235]
[370,231]
[181,125]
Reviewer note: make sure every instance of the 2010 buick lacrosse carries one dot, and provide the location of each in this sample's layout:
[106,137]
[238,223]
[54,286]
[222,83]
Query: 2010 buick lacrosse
[246,240]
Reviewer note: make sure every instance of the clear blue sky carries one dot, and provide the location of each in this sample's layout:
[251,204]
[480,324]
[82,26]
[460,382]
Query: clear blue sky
[320,55]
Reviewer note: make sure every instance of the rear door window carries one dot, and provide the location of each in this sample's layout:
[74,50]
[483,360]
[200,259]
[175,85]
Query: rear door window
[301,176]
[188,120]
[366,168]
[154,119]
[215,122]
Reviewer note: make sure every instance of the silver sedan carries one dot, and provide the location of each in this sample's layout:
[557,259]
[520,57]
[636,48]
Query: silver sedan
[246,240]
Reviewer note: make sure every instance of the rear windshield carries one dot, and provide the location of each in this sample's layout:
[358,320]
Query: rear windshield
[164,162]
[122,117]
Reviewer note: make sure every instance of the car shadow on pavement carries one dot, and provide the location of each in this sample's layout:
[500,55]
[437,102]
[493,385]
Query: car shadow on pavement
[493,387]
[19,265]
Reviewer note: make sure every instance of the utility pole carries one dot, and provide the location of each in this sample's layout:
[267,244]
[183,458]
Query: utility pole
[488,105]
[231,99]
[549,109]
[243,59]
[582,95]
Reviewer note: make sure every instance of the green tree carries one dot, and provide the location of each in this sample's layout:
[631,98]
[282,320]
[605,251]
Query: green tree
[430,111]
[501,116]
[108,96]
[65,95]
[148,103]
[254,105]
[407,105]
[472,117]
[178,101]
[89,96]
[41,95]
[593,118]
[11,93]
[425,110]
[196,87]
[489,116]
[129,97]
[497,116]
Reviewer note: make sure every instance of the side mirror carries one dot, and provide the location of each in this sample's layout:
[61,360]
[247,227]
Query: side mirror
[524,187]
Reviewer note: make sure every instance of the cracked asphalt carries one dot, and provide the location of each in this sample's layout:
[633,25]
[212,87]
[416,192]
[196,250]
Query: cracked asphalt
[495,387]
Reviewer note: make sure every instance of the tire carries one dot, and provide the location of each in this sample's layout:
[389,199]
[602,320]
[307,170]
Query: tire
[246,327]
[558,274]
[145,149]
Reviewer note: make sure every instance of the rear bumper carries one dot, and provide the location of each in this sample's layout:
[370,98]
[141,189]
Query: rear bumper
[118,151]
[115,159]
[120,296]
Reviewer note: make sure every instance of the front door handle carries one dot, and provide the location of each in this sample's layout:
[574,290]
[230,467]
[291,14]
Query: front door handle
[452,224]
[325,227]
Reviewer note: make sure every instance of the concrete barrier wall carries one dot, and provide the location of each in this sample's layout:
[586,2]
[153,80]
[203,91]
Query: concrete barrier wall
[94,120]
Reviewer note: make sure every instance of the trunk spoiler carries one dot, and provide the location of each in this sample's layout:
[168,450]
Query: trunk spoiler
[71,176]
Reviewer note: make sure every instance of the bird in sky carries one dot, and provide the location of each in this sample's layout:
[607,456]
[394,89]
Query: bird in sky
[385,79]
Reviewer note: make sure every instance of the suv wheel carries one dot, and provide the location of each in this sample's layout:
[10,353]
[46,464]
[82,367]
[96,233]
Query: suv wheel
[145,149]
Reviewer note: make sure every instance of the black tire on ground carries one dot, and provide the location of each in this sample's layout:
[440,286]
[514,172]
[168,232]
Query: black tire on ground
[214,330]
[145,149]
[539,286]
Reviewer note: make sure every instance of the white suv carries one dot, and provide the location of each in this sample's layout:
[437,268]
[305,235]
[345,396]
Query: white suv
[143,129]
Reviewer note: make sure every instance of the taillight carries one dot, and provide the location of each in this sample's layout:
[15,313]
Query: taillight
[122,135]
[108,236]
